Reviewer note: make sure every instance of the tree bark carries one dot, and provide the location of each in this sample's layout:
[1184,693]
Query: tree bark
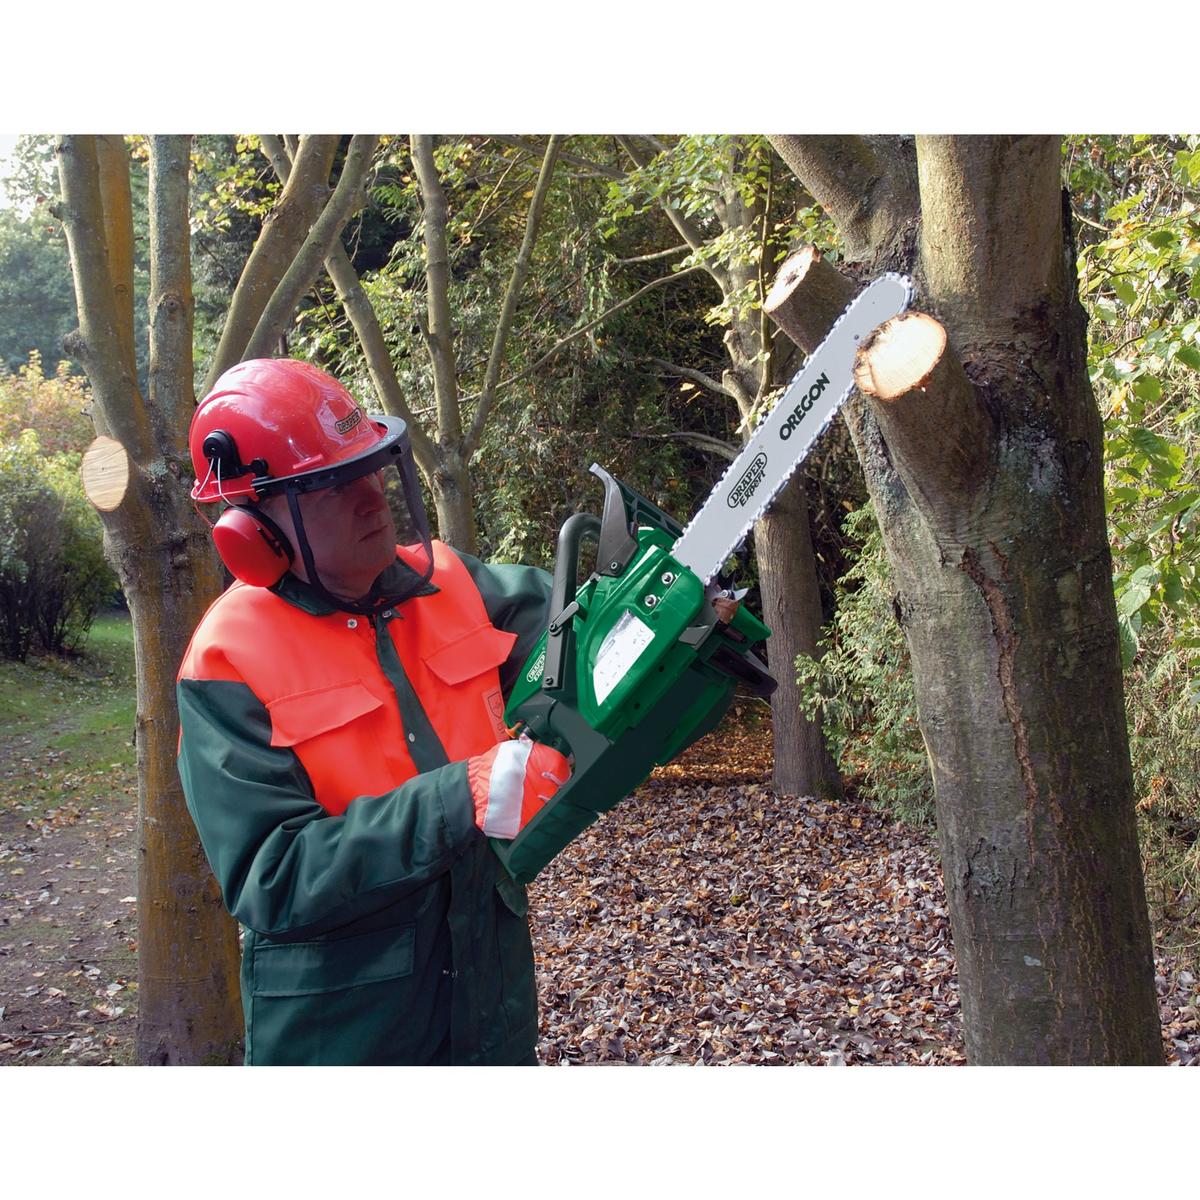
[1005,594]
[791,599]
[188,957]
[868,199]
[439,334]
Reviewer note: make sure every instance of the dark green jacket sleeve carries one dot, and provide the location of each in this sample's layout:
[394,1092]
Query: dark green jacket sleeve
[285,867]
[517,600]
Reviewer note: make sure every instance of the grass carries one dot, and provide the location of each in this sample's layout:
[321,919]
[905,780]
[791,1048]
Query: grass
[68,721]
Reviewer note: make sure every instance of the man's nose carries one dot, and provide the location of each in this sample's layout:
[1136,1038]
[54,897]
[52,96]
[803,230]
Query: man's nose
[368,494]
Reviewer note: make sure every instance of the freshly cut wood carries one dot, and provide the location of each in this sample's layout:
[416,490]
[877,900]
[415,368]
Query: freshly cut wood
[105,473]
[808,295]
[939,434]
[899,356]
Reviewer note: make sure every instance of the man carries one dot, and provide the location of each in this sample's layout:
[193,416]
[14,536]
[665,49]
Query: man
[343,750]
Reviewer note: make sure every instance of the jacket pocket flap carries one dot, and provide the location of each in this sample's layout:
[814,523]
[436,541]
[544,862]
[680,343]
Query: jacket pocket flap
[309,968]
[306,714]
[471,654]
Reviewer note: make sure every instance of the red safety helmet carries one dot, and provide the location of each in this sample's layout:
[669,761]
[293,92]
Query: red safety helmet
[268,420]
[282,426]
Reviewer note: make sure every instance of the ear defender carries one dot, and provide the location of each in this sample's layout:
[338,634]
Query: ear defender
[252,546]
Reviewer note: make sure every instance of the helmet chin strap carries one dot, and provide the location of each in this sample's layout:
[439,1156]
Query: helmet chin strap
[368,605]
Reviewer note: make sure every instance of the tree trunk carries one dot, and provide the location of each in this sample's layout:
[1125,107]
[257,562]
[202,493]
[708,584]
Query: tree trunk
[791,600]
[787,566]
[1004,584]
[454,508]
[187,944]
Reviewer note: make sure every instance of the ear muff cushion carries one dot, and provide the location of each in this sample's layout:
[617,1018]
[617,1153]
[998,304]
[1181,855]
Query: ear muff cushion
[252,546]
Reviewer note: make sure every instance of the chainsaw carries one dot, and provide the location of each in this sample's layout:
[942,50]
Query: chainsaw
[636,664]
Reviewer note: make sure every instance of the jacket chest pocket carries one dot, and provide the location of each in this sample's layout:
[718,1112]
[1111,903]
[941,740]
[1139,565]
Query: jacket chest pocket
[483,649]
[463,699]
[348,740]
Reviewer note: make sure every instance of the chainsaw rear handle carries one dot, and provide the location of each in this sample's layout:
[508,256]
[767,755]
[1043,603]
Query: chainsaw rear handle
[559,633]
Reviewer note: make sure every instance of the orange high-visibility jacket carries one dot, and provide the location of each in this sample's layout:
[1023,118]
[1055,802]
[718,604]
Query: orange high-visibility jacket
[320,679]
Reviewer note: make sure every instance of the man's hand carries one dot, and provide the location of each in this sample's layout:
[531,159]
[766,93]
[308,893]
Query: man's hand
[511,782]
[726,608]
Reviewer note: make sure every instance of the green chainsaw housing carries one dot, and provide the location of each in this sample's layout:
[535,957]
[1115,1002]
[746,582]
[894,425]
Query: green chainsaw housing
[634,667]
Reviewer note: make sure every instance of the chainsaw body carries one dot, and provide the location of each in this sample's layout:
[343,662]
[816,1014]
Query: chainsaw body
[634,667]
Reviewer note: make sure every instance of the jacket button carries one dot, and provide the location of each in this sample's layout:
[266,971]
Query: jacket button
[352,624]
[412,737]
[388,614]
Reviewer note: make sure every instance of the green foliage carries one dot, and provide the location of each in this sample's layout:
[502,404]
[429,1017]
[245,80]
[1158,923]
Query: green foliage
[861,687]
[1163,702]
[57,406]
[53,575]
[1140,279]
[1139,273]
[37,300]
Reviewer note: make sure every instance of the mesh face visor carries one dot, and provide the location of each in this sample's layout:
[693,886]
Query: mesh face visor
[403,492]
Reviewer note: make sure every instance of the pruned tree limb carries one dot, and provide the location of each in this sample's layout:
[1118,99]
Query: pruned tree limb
[512,295]
[937,431]
[347,198]
[118,409]
[869,203]
[364,322]
[439,335]
[939,434]
[104,473]
[808,295]
[283,233]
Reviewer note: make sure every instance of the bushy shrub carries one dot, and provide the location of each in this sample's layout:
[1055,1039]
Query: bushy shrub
[861,688]
[53,575]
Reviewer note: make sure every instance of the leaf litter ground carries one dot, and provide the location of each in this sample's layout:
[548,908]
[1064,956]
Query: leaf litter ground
[705,920]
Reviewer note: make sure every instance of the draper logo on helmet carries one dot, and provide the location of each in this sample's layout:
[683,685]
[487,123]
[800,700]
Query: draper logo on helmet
[535,671]
[748,484]
[348,423]
[801,410]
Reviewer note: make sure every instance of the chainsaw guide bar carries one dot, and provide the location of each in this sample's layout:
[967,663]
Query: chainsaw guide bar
[785,435]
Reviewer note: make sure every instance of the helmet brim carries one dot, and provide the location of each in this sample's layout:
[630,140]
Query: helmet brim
[393,443]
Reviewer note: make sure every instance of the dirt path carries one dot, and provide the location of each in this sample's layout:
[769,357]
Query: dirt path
[68,921]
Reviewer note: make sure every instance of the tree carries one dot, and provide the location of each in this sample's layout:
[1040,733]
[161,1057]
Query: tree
[982,449]
[136,474]
[718,193]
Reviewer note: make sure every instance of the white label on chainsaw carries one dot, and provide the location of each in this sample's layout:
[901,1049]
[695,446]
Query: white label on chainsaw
[618,652]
